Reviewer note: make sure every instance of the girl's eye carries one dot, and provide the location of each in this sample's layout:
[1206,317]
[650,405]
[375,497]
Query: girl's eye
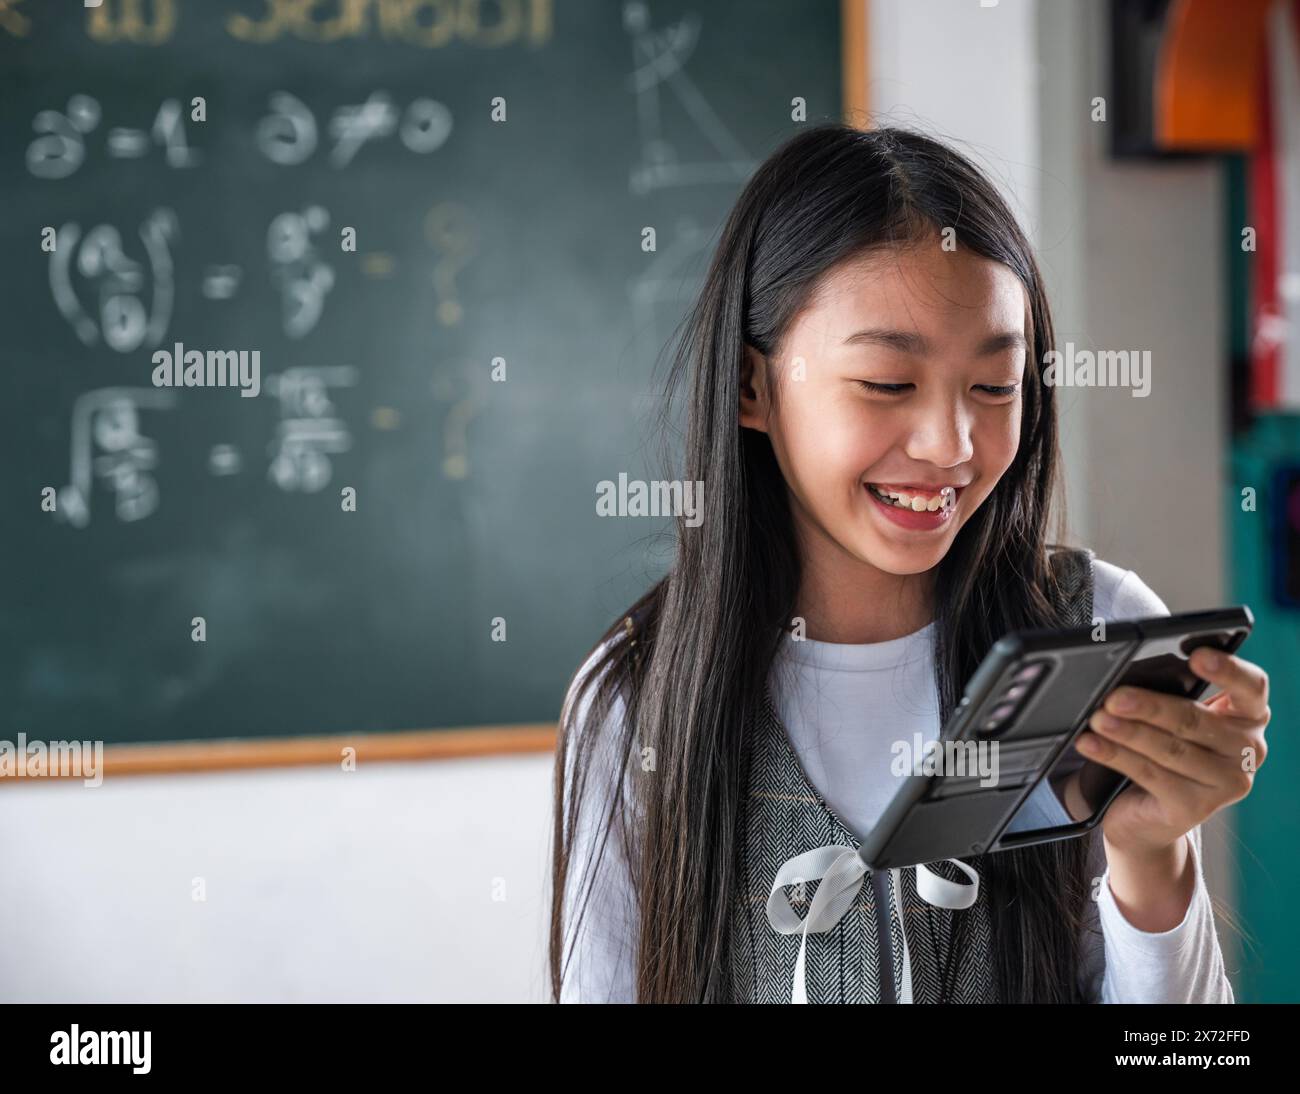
[895,389]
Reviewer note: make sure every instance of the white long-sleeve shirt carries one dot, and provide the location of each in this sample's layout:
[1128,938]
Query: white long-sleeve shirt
[843,707]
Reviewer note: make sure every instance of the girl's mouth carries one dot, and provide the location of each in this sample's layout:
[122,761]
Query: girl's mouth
[919,509]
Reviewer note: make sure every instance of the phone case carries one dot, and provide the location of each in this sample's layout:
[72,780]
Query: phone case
[1033,694]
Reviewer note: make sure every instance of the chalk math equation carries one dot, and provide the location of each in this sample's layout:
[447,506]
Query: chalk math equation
[125,301]
[289,133]
[110,447]
[114,285]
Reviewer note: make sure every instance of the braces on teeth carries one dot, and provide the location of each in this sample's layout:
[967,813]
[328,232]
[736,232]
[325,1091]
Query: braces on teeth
[946,499]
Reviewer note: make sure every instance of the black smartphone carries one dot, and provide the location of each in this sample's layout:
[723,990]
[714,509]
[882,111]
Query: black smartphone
[1006,758]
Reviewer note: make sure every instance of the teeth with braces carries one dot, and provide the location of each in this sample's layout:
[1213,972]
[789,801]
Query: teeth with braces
[918,503]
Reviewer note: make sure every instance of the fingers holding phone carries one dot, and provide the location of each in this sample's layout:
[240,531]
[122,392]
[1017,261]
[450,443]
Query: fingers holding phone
[1187,758]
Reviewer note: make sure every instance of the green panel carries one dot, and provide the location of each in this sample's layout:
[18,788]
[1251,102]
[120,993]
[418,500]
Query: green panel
[1268,820]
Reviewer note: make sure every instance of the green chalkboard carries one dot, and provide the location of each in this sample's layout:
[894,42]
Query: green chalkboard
[488,352]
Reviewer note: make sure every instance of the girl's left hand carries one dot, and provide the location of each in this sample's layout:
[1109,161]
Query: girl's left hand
[1186,758]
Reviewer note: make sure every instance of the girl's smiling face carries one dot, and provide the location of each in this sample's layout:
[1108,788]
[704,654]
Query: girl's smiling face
[946,332]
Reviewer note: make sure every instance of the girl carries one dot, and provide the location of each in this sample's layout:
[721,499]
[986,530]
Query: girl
[867,408]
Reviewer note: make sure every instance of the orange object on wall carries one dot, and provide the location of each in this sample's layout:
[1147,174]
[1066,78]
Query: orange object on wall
[1207,76]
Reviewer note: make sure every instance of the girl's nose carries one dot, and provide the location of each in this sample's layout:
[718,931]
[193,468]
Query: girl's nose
[941,436]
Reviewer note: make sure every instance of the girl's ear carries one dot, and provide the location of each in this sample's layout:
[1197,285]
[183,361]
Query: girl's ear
[754,402]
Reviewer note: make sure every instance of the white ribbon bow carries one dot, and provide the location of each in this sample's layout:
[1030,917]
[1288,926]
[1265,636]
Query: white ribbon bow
[840,871]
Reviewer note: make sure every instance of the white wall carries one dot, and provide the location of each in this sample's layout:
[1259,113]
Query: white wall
[377,885]
[965,75]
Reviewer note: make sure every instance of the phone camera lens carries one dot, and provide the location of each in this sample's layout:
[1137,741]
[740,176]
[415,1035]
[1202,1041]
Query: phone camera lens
[1029,673]
[997,716]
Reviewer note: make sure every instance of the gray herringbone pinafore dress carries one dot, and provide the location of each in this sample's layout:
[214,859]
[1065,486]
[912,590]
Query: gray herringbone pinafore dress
[783,815]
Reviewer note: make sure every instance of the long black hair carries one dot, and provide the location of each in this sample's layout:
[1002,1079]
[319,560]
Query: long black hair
[690,659]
